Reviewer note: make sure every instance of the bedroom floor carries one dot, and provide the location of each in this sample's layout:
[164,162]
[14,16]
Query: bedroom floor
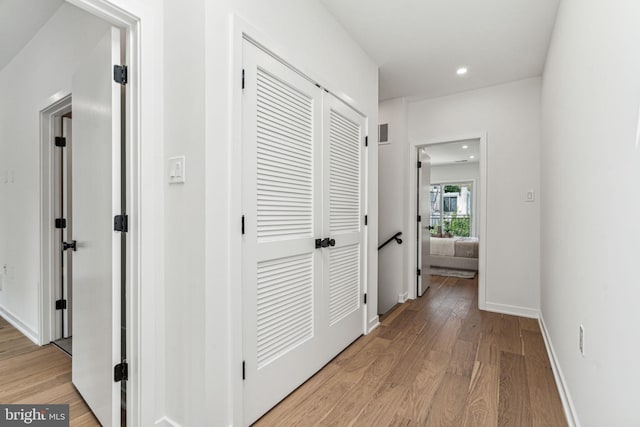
[436,360]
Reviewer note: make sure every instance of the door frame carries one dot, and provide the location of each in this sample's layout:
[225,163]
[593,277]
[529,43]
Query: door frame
[482,226]
[144,274]
[241,31]
[50,251]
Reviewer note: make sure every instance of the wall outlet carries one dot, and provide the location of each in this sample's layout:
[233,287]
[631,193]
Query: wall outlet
[581,344]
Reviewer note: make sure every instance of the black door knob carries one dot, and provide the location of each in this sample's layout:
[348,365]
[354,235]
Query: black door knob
[72,245]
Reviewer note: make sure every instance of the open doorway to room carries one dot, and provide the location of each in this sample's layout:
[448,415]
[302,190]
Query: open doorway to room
[451,212]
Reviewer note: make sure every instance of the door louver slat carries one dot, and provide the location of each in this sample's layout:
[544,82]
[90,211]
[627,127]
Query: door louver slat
[284,160]
[344,180]
[285,305]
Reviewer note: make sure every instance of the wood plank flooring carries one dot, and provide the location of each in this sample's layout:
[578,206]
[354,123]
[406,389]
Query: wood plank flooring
[38,375]
[435,361]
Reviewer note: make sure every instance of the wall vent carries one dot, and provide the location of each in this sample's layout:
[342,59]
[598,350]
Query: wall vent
[383,133]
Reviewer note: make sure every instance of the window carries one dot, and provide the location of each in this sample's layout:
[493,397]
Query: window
[451,208]
[450,204]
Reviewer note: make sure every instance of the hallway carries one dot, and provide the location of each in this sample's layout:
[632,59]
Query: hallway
[38,375]
[435,361]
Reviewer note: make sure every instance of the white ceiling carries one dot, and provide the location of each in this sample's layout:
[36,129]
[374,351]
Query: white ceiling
[419,44]
[20,20]
[453,153]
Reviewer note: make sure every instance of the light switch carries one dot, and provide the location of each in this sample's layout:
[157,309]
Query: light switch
[531,196]
[176,170]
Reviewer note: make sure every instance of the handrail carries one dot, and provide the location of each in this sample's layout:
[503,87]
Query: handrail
[395,237]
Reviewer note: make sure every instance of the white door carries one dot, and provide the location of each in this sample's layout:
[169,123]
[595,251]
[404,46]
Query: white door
[424,213]
[96,200]
[344,198]
[282,276]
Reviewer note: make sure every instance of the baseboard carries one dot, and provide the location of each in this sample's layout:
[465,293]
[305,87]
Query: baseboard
[402,298]
[166,422]
[511,309]
[20,325]
[373,323]
[563,390]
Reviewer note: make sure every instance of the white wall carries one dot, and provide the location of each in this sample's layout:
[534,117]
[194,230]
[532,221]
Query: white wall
[392,175]
[442,174]
[42,69]
[590,162]
[510,114]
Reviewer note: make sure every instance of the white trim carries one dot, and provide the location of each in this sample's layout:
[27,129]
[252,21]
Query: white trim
[403,297]
[373,323]
[513,310]
[19,325]
[482,226]
[563,390]
[166,422]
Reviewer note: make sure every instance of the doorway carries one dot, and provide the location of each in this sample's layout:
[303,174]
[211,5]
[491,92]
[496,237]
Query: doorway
[63,188]
[85,226]
[450,204]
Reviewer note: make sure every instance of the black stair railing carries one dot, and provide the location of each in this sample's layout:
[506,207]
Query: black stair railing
[395,237]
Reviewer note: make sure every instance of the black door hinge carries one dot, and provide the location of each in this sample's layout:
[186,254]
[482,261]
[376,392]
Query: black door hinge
[121,223]
[366,219]
[121,372]
[61,304]
[243,78]
[365,298]
[419,218]
[120,74]
[419,164]
[61,223]
[419,272]
[60,141]
[242,224]
[366,141]
[244,372]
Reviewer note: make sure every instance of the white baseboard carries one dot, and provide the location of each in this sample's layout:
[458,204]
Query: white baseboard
[402,298]
[563,390]
[20,325]
[512,309]
[373,323]
[166,422]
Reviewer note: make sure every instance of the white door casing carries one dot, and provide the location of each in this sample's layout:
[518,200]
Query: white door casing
[424,210]
[97,199]
[302,191]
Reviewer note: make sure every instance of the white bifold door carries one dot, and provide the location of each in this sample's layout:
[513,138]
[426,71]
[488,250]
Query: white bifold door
[96,200]
[303,229]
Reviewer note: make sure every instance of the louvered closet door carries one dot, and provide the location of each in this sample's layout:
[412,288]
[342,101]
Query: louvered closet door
[282,270]
[343,205]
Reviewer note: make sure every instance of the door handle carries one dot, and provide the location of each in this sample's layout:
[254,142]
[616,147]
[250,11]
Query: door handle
[324,243]
[72,245]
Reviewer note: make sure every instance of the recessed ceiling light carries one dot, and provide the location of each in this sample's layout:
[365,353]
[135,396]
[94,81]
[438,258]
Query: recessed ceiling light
[462,71]
[464,147]
[472,157]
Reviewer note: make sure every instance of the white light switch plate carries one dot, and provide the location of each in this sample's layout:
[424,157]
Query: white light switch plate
[531,196]
[177,170]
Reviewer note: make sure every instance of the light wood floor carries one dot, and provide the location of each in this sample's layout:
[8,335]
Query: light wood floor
[38,375]
[436,361]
